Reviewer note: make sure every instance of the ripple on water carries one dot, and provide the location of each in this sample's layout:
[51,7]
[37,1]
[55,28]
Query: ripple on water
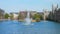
[15,27]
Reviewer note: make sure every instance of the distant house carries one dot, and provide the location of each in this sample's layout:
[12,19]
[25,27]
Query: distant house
[32,13]
[57,15]
[1,14]
[23,14]
[13,15]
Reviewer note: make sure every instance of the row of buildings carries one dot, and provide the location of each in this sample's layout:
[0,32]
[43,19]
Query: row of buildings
[54,15]
[22,14]
[17,15]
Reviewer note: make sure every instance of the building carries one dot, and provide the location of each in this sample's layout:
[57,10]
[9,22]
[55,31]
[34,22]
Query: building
[23,14]
[55,14]
[1,14]
[32,13]
[14,15]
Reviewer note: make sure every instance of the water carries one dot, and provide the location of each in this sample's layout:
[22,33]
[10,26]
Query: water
[16,27]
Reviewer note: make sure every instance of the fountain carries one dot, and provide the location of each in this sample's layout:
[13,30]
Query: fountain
[45,14]
[28,19]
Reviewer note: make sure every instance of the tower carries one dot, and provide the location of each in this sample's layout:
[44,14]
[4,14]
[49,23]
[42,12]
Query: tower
[54,7]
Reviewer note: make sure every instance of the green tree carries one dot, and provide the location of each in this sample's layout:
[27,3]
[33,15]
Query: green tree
[41,17]
[6,16]
[37,17]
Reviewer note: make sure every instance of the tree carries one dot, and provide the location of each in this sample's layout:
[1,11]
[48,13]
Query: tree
[6,16]
[37,17]
[41,17]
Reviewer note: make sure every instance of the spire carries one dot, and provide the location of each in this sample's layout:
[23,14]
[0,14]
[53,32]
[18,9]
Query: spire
[53,8]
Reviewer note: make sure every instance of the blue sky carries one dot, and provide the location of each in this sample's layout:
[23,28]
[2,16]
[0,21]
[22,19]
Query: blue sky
[36,5]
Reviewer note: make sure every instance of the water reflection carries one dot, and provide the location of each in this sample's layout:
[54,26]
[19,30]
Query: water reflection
[1,21]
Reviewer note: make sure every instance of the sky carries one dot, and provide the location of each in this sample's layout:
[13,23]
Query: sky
[21,5]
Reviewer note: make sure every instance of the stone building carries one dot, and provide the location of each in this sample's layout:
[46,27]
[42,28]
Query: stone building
[55,14]
[32,13]
[22,14]
[1,14]
[13,15]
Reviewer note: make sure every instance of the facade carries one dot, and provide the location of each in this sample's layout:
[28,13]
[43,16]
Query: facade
[1,14]
[22,14]
[14,15]
[55,14]
[32,13]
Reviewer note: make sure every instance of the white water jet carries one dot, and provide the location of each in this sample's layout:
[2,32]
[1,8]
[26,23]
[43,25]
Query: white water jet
[44,17]
[28,19]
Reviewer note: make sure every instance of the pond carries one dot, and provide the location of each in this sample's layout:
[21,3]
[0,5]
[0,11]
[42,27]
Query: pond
[16,27]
